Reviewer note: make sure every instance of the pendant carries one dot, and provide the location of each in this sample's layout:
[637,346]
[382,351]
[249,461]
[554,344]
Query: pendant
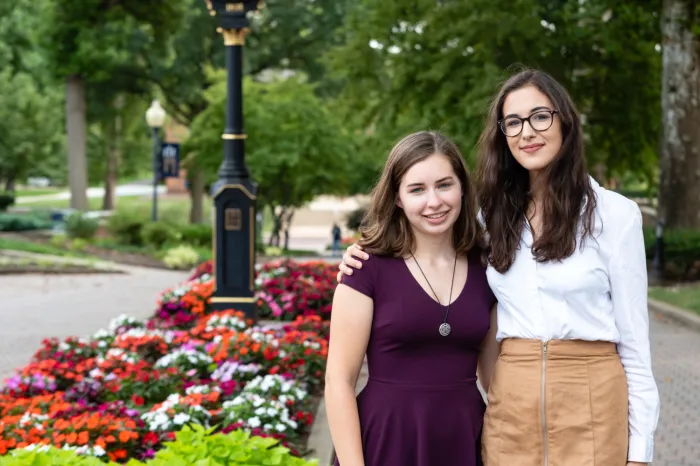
[445,329]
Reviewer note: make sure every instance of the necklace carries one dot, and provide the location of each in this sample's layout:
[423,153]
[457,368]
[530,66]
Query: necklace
[444,328]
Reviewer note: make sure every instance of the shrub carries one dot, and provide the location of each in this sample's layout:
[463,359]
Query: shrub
[354,218]
[7,199]
[77,244]
[196,443]
[198,234]
[193,445]
[158,234]
[19,222]
[681,253]
[181,257]
[80,226]
[126,228]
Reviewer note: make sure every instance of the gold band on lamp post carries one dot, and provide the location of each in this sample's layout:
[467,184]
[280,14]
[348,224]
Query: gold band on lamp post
[215,299]
[234,136]
[234,36]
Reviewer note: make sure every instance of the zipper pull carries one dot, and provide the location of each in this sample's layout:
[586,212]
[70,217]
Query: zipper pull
[544,347]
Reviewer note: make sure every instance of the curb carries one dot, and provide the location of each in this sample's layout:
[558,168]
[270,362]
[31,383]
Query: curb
[678,314]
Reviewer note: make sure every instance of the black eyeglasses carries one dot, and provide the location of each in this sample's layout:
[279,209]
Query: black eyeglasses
[539,121]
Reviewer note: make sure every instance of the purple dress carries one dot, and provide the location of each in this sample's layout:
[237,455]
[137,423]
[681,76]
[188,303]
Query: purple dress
[421,405]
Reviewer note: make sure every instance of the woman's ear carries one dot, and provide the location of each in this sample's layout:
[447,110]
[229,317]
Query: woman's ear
[398,202]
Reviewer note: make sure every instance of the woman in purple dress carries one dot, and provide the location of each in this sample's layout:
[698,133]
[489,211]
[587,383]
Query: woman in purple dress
[419,309]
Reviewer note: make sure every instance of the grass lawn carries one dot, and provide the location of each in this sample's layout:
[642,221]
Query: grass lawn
[684,296]
[28,192]
[175,209]
[29,246]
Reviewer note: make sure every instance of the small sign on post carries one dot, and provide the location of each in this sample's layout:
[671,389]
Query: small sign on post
[170,160]
[232,219]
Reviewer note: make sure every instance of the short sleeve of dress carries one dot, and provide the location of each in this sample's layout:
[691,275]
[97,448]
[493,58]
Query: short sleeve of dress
[364,279]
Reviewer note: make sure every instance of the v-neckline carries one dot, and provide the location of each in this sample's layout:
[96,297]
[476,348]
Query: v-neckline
[432,298]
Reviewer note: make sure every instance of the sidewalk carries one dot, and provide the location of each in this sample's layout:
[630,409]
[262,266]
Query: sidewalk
[40,306]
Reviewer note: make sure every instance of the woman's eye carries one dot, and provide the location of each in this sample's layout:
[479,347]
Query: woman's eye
[445,185]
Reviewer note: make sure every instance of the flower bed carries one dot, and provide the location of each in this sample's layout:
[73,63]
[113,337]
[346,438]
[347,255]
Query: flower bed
[123,392]
[286,290]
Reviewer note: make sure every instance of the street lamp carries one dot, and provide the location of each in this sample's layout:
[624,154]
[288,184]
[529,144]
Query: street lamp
[657,266]
[235,191]
[155,117]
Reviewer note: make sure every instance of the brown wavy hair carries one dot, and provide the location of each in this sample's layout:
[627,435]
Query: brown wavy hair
[504,185]
[386,231]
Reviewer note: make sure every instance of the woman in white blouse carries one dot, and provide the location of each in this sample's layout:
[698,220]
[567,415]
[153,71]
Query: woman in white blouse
[573,383]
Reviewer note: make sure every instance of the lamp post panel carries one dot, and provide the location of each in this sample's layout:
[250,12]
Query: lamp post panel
[170,160]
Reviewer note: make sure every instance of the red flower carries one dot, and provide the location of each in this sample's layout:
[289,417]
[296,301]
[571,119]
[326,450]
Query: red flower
[150,438]
[137,400]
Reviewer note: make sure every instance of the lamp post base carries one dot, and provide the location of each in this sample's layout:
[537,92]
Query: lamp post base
[234,247]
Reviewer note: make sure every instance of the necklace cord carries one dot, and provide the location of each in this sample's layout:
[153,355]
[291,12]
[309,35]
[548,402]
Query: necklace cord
[449,302]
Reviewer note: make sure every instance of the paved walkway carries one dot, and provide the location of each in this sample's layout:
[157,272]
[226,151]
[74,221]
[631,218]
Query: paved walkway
[38,306]
[676,362]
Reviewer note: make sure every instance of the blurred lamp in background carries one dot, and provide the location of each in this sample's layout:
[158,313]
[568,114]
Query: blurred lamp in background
[155,117]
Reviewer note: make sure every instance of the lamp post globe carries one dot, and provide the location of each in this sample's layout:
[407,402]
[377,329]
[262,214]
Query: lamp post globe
[155,115]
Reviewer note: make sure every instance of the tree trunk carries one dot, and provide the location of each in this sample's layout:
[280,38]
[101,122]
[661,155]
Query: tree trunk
[679,161]
[113,156]
[287,226]
[10,184]
[76,131]
[277,219]
[196,195]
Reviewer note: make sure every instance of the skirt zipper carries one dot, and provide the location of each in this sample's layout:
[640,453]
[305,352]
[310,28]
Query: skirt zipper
[544,414]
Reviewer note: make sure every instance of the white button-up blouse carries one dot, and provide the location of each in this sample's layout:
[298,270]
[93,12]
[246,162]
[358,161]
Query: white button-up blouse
[598,293]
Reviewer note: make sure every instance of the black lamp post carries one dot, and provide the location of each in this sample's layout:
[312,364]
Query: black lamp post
[235,191]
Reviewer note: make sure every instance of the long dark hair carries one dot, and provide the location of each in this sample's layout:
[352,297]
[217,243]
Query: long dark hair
[385,229]
[504,185]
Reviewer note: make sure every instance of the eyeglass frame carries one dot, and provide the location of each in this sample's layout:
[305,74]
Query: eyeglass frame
[523,120]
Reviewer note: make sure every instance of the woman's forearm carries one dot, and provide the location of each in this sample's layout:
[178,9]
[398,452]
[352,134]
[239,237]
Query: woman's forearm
[344,421]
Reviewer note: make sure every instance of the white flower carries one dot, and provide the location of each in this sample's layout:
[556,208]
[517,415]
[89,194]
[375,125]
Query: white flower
[181,418]
[254,422]
[280,427]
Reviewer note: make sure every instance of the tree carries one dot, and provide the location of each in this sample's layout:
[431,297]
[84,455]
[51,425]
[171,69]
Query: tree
[287,35]
[92,42]
[30,115]
[296,148]
[679,187]
[411,65]
[28,127]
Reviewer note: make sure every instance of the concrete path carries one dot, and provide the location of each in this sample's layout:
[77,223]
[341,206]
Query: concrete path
[676,363]
[33,307]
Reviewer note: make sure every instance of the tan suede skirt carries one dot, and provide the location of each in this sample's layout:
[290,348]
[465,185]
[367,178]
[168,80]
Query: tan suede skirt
[559,404]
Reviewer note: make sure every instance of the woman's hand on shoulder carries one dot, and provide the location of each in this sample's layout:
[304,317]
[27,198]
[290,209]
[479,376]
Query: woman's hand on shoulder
[349,262]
